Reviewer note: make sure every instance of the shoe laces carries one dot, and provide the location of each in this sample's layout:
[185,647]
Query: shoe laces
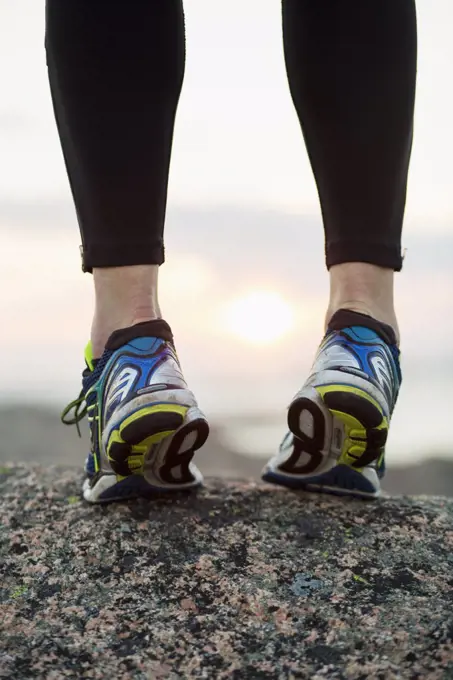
[79,407]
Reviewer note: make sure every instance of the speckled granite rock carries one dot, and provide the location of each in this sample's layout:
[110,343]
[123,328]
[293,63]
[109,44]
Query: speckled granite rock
[240,581]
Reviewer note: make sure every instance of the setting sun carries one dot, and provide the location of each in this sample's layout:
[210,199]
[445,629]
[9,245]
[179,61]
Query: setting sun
[259,317]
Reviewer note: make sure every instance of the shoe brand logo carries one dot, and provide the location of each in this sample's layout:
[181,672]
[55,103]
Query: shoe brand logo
[121,386]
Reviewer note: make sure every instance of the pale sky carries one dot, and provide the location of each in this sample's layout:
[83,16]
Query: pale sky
[237,136]
[237,145]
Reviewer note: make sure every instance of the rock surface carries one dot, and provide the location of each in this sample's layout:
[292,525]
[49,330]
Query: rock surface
[239,581]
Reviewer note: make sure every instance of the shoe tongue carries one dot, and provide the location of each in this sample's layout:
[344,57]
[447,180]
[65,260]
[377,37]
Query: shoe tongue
[345,318]
[146,329]
[89,359]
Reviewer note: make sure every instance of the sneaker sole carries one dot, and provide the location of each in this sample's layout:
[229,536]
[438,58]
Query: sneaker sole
[151,453]
[344,416]
[339,481]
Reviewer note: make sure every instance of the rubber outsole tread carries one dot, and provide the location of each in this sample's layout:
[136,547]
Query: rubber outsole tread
[181,459]
[135,433]
[358,407]
[149,425]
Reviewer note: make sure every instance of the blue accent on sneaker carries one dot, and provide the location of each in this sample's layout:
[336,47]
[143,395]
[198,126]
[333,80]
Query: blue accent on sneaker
[339,420]
[137,402]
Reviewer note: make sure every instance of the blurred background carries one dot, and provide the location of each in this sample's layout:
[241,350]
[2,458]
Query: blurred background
[244,286]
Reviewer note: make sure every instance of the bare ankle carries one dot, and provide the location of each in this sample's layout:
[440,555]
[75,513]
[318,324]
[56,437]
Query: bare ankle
[364,288]
[124,296]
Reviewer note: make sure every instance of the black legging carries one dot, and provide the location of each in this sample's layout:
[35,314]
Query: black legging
[116,71]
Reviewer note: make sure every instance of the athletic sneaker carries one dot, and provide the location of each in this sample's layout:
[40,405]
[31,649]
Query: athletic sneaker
[145,423]
[339,420]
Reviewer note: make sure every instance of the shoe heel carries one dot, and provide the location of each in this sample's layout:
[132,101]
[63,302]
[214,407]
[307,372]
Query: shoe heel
[129,444]
[174,463]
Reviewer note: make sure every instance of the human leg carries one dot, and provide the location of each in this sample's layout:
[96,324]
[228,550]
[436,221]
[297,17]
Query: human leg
[352,68]
[116,71]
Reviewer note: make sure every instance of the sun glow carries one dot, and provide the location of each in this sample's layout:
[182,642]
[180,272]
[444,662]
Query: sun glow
[259,317]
